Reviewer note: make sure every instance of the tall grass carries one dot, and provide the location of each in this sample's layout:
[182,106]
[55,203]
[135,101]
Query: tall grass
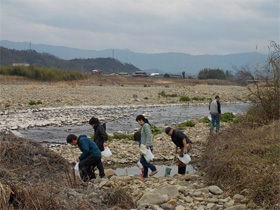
[246,156]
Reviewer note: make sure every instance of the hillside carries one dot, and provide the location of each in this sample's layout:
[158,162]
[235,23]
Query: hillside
[107,65]
[171,62]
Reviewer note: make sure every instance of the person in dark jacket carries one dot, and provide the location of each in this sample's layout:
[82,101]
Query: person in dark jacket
[215,111]
[183,142]
[90,157]
[100,135]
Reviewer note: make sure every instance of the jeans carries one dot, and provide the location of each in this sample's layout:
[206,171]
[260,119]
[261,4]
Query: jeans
[87,166]
[215,118]
[147,165]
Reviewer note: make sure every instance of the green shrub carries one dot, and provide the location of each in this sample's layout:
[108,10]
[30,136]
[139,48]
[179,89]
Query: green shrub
[227,117]
[198,98]
[39,102]
[155,130]
[31,102]
[146,98]
[7,105]
[186,124]
[205,120]
[184,98]
[162,93]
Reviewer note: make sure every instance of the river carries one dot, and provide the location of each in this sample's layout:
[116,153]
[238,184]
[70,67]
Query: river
[157,115]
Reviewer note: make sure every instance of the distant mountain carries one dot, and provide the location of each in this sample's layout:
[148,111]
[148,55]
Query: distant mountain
[174,63]
[107,65]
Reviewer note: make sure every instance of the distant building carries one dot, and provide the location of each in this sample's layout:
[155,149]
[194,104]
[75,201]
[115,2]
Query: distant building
[96,71]
[140,74]
[21,64]
[155,75]
[123,74]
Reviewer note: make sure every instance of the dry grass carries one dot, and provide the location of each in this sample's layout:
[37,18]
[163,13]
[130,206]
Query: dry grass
[245,159]
[119,197]
[34,177]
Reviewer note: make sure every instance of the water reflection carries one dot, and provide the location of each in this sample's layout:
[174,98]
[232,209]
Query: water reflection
[134,170]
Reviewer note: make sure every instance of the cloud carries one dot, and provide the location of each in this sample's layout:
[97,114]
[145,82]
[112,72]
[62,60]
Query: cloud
[190,26]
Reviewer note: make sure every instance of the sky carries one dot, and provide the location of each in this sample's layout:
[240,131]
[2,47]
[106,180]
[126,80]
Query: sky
[197,27]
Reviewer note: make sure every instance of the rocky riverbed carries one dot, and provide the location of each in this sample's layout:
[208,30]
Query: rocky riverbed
[176,192]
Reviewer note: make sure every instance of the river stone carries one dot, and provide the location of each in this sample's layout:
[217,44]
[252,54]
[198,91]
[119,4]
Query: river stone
[167,206]
[215,190]
[172,202]
[152,198]
[167,189]
[210,205]
[109,172]
[229,204]
[237,207]
[180,208]
[238,197]
[197,193]
[190,177]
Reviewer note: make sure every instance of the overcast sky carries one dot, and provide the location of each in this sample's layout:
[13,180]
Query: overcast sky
[150,26]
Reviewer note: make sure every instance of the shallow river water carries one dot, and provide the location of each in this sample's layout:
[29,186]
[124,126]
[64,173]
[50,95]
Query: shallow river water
[160,116]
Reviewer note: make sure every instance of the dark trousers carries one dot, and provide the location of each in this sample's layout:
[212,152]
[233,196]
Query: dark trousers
[181,169]
[87,166]
[147,165]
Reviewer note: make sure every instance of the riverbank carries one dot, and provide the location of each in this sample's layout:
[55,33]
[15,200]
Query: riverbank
[116,192]
[188,192]
[26,95]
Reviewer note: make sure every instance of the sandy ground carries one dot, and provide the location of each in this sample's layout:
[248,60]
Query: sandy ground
[21,95]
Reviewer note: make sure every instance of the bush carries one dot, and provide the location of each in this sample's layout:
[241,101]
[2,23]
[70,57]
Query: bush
[163,94]
[184,98]
[186,124]
[244,158]
[155,130]
[265,87]
[205,120]
[227,117]
[198,98]
[31,102]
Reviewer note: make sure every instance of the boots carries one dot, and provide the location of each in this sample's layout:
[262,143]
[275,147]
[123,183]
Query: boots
[181,170]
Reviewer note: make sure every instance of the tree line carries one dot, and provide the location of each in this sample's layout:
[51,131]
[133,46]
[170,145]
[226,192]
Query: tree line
[42,73]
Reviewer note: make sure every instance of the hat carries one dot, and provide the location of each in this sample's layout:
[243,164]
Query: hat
[167,130]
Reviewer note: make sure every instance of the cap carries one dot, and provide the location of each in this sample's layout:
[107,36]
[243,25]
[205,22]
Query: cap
[167,130]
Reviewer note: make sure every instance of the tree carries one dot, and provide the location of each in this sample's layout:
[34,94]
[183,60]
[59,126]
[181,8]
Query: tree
[265,86]
[211,74]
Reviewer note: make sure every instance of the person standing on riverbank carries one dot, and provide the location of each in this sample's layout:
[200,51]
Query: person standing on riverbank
[215,111]
[100,135]
[183,142]
[90,157]
[146,140]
